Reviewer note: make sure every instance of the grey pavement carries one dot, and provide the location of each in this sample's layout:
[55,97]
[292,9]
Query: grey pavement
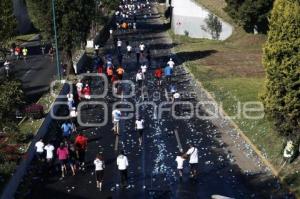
[35,73]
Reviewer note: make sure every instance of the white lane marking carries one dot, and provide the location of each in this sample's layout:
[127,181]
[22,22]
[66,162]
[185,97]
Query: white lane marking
[26,74]
[116,143]
[220,197]
[178,140]
[167,95]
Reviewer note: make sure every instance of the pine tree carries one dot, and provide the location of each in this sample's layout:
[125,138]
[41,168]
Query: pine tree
[281,59]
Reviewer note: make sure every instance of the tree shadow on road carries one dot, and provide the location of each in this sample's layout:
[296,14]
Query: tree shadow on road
[183,57]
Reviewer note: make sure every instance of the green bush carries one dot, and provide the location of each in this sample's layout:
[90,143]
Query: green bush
[7,168]
[281,60]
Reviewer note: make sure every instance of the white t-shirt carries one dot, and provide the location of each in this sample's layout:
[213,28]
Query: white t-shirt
[193,152]
[99,165]
[49,151]
[119,43]
[116,115]
[73,113]
[144,68]
[142,47]
[39,147]
[129,48]
[171,64]
[176,95]
[70,97]
[79,86]
[139,76]
[179,161]
[139,124]
[122,162]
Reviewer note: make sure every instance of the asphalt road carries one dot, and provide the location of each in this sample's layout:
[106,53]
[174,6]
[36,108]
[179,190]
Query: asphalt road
[36,73]
[152,168]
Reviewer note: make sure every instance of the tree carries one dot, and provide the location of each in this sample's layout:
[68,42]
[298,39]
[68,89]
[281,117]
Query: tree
[213,25]
[232,8]
[250,13]
[281,60]
[74,19]
[8,24]
[11,97]
[40,14]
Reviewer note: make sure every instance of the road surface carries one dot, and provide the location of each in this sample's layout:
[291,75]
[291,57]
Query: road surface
[152,167]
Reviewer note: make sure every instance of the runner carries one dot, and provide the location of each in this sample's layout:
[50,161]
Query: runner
[193,155]
[110,73]
[173,89]
[142,48]
[99,170]
[122,163]
[129,50]
[171,64]
[116,116]
[62,154]
[175,97]
[86,92]
[139,126]
[70,99]
[25,53]
[72,158]
[51,53]
[81,147]
[119,45]
[111,32]
[120,72]
[138,54]
[18,52]
[39,145]
[144,70]
[158,74]
[180,160]
[49,148]
[168,73]
[73,115]
[139,78]
[134,25]
[79,86]
[97,49]
[7,67]
[67,130]
[100,69]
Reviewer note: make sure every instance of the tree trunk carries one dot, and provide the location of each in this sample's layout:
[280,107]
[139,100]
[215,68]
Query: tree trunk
[68,61]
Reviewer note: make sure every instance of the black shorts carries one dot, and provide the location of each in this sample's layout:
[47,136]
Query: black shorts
[63,162]
[140,132]
[193,166]
[99,175]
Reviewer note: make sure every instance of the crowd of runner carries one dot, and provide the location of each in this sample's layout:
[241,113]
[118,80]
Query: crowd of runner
[73,145]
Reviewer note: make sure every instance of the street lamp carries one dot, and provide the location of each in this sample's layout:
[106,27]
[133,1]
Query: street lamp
[55,39]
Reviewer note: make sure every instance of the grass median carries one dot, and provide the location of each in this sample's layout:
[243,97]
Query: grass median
[232,72]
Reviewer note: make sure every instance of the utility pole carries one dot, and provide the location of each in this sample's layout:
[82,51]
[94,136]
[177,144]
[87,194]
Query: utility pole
[55,40]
